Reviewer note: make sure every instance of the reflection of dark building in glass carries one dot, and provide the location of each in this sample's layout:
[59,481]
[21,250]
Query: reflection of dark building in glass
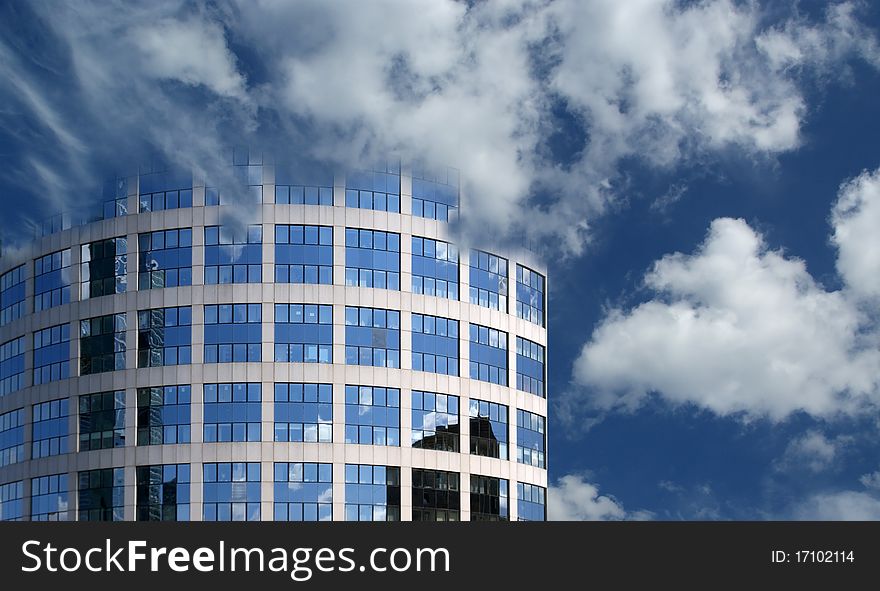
[272,343]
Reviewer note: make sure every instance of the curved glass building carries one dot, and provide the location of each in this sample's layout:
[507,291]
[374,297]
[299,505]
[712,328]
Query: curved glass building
[334,356]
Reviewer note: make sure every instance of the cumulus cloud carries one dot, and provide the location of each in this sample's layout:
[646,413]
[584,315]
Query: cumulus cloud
[478,86]
[812,451]
[871,480]
[855,218]
[572,498]
[839,506]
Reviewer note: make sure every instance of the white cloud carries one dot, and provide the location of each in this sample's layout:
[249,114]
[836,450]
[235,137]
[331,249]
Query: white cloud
[856,218]
[735,328]
[871,480]
[839,506]
[812,451]
[193,52]
[574,499]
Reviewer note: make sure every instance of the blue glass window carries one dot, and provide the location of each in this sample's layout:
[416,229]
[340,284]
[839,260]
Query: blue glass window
[372,258]
[52,354]
[436,495]
[233,412]
[303,333]
[102,495]
[11,366]
[531,502]
[488,282]
[12,437]
[489,498]
[103,267]
[531,438]
[49,498]
[165,259]
[52,280]
[435,344]
[102,344]
[372,415]
[114,196]
[232,257]
[233,333]
[435,423]
[529,295]
[231,491]
[304,254]
[377,189]
[165,337]
[164,415]
[168,189]
[303,491]
[163,492]
[248,176]
[488,361]
[102,420]
[372,337]
[304,412]
[488,422]
[12,501]
[50,428]
[529,367]
[435,193]
[292,189]
[372,493]
[434,268]
[12,295]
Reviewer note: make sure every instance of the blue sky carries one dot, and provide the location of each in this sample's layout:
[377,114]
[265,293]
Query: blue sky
[736,379]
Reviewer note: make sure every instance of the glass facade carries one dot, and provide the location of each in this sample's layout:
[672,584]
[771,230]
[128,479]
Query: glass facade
[435,344]
[233,256]
[102,420]
[164,415]
[372,258]
[488,361]
[12,295]
[303,333]
[530,367]
[165,337]
[489,498]
[435,193]
[531,502]
[12,501]
[489,432]
[233,412]
[103,268]
[304,412]
[372,415]
[165,258]
[529,295]
[531,438]
[11,366]
[488,280]
[50,428]
[102,344]
[435,422]
[303,491]
[233,333]
[102,495]
[52,280]
[231,491]
[163,492]
[12,437]
[377,189]
[49,498]
[372,493]
[436,495]
[335,387]
[52,354]
[168,189]
[434,268]
[304,254]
